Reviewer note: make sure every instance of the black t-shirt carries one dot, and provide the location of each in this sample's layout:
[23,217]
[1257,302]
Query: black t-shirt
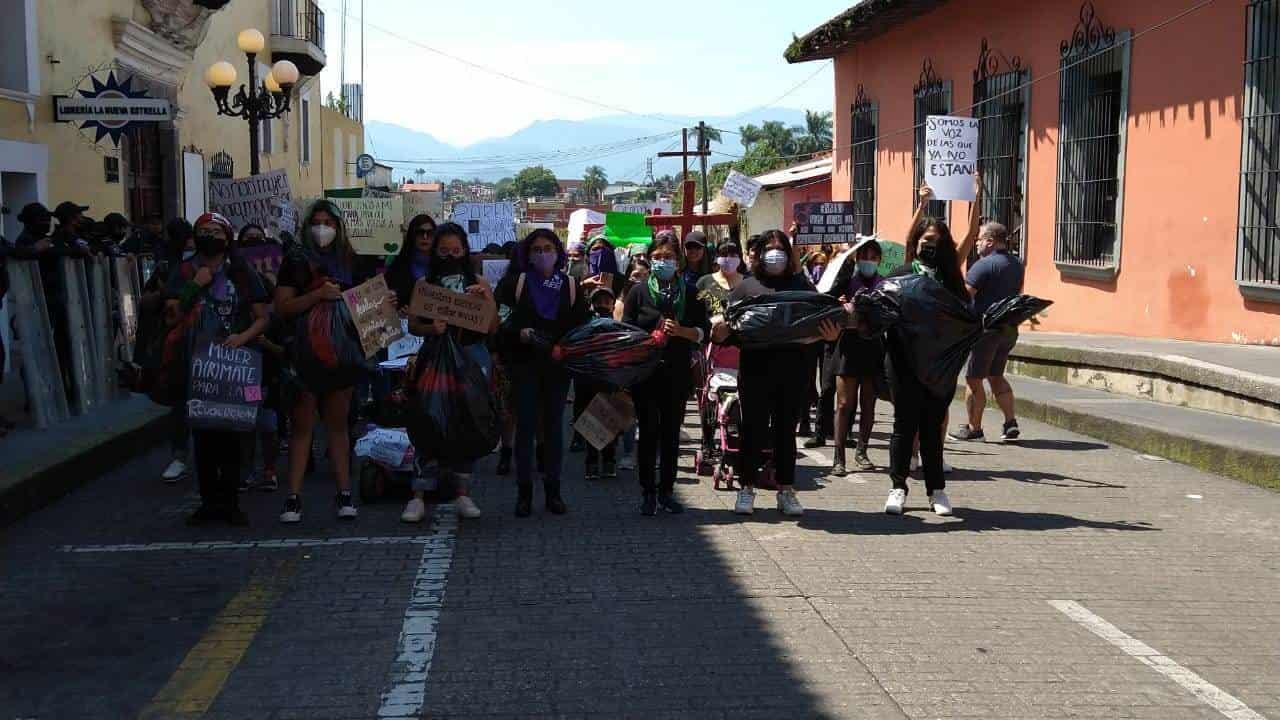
[302,274]
[640,310]
[235,289]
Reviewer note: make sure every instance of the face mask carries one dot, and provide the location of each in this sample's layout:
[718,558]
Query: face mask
[597,255]
[868,268]
[323,235]
[450,265]
[210,245]
[775,261]
[188,254]
[730,264]
[664,270]
[928,255]
[544,262]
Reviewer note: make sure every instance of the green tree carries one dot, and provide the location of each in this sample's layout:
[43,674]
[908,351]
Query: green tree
[594,182]
[815,136]
[646,195]
[536,181]
[420,172]
[505,189]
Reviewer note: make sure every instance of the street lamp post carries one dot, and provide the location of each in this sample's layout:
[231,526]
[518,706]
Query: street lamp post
[254,104]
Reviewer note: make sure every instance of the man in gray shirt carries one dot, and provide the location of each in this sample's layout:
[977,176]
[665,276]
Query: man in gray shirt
[996,276]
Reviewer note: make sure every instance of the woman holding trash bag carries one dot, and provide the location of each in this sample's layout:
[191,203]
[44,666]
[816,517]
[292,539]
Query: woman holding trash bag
[314,274]
[770,378]
[450,269]
[545,304]
[414,259]
[230,306]
[917,413]
[856,361]
[665,302]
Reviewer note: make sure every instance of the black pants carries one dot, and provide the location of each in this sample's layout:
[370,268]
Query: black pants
[660,408]
[916,411]
[826,393]
[770,407]
[217,467]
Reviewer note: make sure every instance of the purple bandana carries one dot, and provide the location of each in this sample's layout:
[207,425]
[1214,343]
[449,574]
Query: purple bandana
[546,293]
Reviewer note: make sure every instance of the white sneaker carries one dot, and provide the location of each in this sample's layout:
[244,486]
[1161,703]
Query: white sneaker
[789,504]
[915,463]
[466,507]
[746,503]
[174,472]
[346,509]
[627,462]
[897,499]
[941,503]
[414,511]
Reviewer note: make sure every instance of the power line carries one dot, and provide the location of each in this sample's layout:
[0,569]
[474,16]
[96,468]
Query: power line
[778,99]
[622,145]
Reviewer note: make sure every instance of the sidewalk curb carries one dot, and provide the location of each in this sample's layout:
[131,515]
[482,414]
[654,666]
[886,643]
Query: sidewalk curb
[45,485]
[1254,468]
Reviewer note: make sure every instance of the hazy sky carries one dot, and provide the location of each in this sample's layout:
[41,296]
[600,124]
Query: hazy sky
[715,57]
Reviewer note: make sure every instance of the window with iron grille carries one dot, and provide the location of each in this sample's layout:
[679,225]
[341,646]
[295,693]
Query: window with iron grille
[864,121]
[1093,111]
[1001,98]
[111,168]
[932,97]
[1258,235]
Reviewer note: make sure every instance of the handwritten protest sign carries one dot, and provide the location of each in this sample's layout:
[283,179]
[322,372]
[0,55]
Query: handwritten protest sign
[493,270]
[265,258]
[892,256]
[486,223]
[607,415]
[822,223]
[406,345]
[260,199]
[226,388]
[373,224]
[470,312]
[741,188]
[951,156]
[377,326]
[422,203]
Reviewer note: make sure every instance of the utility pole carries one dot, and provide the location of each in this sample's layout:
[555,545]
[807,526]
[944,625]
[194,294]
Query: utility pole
[704,149]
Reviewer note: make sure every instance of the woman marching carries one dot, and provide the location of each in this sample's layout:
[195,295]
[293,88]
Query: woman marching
[318,269]
[917,413]
[451,269]
[769,380]
[545,304]
[856,361]
[232,308]
[665,302]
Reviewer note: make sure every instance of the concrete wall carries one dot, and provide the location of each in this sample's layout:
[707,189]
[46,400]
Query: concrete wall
[1181,188]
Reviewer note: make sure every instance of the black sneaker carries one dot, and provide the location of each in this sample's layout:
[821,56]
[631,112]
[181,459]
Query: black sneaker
[524,502]
[838,469]
[670,504]
[964,433]
[346,508]
[816,441]
[592,474]
[555,505]
[649,504]
[504,462]
[292,510]
[1011,431]
[247,482]
[610,471]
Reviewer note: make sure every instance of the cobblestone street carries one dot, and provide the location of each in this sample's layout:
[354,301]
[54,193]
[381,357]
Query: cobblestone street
[1075,580]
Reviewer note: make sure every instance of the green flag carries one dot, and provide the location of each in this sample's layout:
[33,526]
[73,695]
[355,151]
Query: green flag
[892,256]
[626,229]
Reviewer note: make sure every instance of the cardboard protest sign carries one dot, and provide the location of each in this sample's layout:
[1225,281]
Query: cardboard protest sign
[377,326]
[486,223]
[627,229]
[470,312]
[265,258]
[225,389]
[607,415]
[406,345]
[823,223]
[950,156]
[422,203]
[741,188]
[260,199]
[373,224]
[493,270]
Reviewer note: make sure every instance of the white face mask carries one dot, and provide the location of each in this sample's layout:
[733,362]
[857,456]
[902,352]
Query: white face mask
[323,235]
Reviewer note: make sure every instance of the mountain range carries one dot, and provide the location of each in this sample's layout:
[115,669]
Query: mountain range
[567,147]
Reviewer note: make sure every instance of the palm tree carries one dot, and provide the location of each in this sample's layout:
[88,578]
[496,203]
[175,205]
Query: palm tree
[817,130]
[750,135]
[420,172]
[594,182]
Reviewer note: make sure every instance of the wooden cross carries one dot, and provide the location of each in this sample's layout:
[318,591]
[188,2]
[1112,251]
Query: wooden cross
[687,219]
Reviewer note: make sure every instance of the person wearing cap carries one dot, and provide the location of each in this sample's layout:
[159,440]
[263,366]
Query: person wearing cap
[697,261]
[229,304]
[665,303]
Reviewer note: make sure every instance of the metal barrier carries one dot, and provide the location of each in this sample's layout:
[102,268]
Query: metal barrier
[128,293]
[37,355]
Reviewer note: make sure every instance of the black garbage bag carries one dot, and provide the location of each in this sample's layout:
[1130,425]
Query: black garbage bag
[609,353]
[453,415]
[932,329]
[326,348]
[783,317]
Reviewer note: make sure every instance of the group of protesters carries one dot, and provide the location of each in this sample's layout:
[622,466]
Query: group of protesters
[675,287]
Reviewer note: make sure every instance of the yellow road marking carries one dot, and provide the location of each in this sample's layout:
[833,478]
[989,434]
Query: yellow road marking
[200,677]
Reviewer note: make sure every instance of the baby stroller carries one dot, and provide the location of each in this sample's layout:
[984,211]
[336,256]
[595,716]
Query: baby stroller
[720,412]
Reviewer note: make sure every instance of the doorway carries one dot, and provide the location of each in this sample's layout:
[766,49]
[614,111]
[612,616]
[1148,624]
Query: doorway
[146,157]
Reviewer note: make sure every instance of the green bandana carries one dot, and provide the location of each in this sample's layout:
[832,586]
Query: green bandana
[922,269]
[672,300]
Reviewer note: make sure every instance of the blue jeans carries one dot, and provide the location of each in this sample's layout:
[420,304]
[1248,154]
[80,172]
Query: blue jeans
[540,391]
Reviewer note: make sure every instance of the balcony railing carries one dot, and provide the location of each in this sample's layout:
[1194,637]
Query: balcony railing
[301,19]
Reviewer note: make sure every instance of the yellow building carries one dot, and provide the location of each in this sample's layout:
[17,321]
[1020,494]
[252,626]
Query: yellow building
[54,48]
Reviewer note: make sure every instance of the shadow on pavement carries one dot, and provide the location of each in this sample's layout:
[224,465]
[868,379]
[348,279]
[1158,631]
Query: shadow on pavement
[918,520]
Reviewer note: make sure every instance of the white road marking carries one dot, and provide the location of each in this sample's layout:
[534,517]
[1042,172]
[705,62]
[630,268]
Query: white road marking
[255,544]
[1208,693]
[407,692]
